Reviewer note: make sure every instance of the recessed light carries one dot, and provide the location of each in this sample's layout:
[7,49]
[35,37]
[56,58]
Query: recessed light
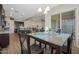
[12,8]
[39,10]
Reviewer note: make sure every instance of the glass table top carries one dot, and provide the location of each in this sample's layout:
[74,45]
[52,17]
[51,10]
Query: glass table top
[52,37]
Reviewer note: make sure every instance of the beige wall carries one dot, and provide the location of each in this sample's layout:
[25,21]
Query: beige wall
[64,8]
[33,22]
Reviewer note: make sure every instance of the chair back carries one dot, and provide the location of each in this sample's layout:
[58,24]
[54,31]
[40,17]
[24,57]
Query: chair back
[28,40]
[23,44]
[69,44]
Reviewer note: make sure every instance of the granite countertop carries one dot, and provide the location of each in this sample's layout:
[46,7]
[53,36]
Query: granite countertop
[4,32]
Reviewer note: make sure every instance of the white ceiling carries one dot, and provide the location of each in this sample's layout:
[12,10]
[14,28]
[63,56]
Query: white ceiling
[29,10]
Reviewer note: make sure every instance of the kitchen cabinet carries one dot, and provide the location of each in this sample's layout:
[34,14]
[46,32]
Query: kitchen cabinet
[2,16]
[4,40]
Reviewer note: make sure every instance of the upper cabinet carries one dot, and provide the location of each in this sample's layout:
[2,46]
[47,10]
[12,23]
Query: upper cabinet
[2,15]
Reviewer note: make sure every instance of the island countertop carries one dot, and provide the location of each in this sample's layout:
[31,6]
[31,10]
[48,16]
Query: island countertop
[4,32]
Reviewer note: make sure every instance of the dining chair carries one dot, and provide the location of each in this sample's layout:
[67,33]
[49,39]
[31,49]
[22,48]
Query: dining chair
[34,48]
[26,48]
[22,40]
[68,49]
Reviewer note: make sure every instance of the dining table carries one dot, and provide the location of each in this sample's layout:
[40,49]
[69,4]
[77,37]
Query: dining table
[52,39]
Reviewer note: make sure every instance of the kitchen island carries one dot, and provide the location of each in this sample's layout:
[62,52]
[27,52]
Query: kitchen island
[4,39]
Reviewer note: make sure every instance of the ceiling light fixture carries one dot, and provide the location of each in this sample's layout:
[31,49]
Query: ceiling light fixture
[45,12]
[47,8]
[39,10]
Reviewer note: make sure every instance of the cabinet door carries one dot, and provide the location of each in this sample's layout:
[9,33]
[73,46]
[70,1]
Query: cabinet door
[4,40]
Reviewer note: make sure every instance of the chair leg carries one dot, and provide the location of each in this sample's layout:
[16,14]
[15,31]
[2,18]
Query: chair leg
[45,46]
[0,50]
[40,44]
[51,50]
[69,51]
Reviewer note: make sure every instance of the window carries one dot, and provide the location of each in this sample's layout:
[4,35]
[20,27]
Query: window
[68,22]
[55,22]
